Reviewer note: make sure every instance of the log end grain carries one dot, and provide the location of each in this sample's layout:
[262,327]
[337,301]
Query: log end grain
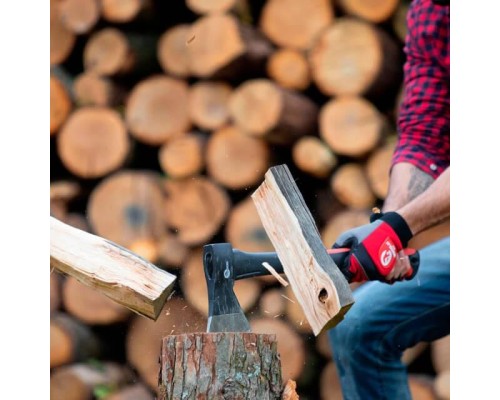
[209,104]
[121,11]
[351,187]
[106,52]
[312,155]
[79,16]
[182,156]
[172,50]
[210,6]
[60,104]
[289,68]
[62,39]
[341,222]
[378,167]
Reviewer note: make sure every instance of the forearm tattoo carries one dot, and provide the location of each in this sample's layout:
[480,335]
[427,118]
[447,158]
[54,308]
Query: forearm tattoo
[419,182]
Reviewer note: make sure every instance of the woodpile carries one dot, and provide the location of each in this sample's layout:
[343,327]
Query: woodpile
[164,118]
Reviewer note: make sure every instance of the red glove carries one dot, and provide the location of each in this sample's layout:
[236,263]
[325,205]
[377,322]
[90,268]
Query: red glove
[375,247]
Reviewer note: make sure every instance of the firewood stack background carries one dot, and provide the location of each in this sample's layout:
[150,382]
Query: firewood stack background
[164,117]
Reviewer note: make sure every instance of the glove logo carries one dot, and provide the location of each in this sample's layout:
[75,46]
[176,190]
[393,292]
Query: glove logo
[387,253]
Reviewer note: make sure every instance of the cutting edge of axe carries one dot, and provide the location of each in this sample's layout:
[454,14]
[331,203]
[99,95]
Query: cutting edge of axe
[116,272]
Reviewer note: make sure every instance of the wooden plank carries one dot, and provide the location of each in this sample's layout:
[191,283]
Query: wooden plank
[317,283]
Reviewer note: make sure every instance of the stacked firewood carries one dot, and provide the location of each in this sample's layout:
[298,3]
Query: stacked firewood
[164,117]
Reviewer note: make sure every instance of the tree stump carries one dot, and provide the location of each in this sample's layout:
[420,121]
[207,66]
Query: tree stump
[229,365]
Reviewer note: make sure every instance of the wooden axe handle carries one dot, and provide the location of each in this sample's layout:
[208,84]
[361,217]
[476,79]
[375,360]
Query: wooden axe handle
[114,271]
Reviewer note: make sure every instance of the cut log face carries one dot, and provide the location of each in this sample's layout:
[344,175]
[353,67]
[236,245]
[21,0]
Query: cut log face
[236,160]
[295,23]
[79,16]
[375,11]
[93,142]
[313,156]
[182,156]
[210,6]
[172,50]
[196,208]
[289,68]
[62,40]
[208,104]
[317,283]
[351,187]
[127,206]
[351,126]
[378,167]
[220,365]
[121,11]
[106,52]
[91,89]
[341,222]
[157,109]
[60,104]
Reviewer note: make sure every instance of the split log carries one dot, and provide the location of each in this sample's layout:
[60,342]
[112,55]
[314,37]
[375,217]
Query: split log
[350,185]
[378,166]
[111,52]
[209,104]
[210,6]
[157,109]
[313,156]
[291,347]
[330,388]
[79,16]
[351,126]
[317,283]
[91,89]
[123,11]
[81,381]
[341,222]
[127,206]
[377,11]
[421,387]
[55,291]
[260,107]
[144,337]
[289,68]
[272,303]
[71,340]
[90,306]
[196,208]
[442,385]
[172,50]
[136,391]
[62,40]
[60,104]
[440,354]
[182,156]
[194,285]
[236,160]
[295,23]
[220,365]
[241,50]
[171,251]
[93,142]
[339,57]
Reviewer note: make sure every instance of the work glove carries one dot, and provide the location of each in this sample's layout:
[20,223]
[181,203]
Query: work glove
[375,248]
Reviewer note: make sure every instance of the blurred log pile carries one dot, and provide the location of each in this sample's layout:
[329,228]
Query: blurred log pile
[164,117]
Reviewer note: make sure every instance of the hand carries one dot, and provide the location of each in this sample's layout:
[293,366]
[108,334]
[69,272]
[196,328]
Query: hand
[378,250]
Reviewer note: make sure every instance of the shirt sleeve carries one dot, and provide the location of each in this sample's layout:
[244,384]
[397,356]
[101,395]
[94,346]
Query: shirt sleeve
[424,116]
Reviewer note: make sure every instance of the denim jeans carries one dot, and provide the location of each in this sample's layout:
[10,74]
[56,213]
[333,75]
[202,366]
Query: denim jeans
[387,319]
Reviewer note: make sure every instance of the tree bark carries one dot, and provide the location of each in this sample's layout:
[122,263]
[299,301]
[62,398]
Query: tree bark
[228,365]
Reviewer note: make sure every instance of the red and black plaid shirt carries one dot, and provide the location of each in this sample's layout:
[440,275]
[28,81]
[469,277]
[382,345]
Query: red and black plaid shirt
[424,116]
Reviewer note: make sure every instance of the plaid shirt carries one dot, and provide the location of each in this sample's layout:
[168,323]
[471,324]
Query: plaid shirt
[424,116]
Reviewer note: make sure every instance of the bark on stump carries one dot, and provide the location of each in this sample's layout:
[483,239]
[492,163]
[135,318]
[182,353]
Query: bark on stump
[220,366]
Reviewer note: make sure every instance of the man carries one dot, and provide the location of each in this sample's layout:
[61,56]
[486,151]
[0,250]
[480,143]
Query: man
[388,318]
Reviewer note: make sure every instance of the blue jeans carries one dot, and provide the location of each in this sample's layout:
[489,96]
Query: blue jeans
[387,319]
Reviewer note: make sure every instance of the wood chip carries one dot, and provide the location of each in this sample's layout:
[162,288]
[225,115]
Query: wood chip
[288,298]
[275,274]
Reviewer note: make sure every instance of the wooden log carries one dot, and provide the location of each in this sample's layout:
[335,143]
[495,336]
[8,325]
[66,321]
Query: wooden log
[377,11]
[330,388]
[195,208]
[210,6]
[295,23]
[209,104]
[127,206]
[260,107]
[62,40]
[84,381]
[289,68]
[136,391]
[116,272]
[91,89]
[421,387]
[350,185]
[171,251]
[236,160]
[399,20]
[442,385]
[378,166]
[111,52]
[93,142]
[182,156]
[351,126]
[194,285]
[60,104]
[229,365]
[339,57]
[144,337]
[71,340]
[55,291]
[313,156]
[272,303]
[123,11]
[241,50]
[79,16]
[91,306]
[157,109]
[317,283]
[440,354]
[172,51]
[291,346]
[341,222]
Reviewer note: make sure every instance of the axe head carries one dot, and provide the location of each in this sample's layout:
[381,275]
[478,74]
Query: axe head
[224,310]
